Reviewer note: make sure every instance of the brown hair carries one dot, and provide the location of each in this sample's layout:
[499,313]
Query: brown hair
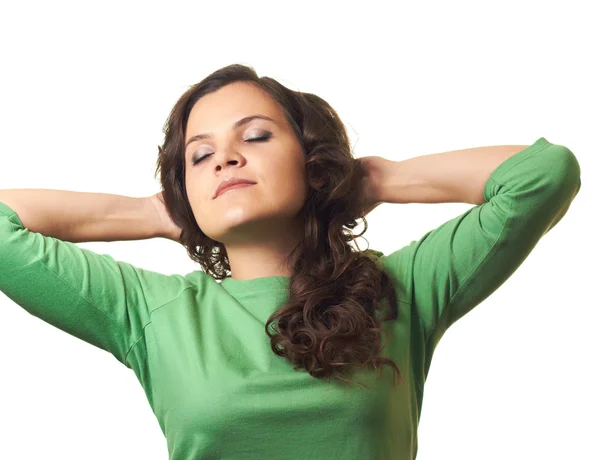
[328,324]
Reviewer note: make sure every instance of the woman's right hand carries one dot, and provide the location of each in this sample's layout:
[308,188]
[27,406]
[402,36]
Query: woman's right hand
[168,228]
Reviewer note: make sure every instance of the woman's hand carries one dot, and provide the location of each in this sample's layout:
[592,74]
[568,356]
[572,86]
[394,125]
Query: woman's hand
[374,168]
[168,228]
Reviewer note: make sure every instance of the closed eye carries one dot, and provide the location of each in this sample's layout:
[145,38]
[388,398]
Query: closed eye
[264,138]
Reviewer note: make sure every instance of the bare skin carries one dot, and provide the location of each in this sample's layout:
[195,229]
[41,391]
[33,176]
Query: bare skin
[258,224]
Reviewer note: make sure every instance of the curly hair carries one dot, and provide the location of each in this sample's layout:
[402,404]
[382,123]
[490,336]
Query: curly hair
[328,325]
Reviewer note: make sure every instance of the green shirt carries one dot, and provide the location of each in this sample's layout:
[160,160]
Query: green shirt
[200,352]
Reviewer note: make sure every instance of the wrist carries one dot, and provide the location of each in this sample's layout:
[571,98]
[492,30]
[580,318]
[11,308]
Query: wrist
[152,219]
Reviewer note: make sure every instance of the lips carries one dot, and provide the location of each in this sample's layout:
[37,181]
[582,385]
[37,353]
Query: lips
[223,186]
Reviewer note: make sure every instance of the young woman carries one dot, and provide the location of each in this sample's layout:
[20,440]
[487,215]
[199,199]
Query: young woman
[274,349]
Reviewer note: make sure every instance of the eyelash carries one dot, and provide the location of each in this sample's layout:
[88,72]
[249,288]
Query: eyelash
[254,139]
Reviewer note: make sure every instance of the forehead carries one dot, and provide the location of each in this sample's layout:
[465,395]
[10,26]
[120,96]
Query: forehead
[218,110]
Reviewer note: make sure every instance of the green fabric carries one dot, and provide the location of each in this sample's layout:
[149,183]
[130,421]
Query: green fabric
[200,352]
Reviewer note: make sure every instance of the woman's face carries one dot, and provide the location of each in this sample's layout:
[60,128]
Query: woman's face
[275,163]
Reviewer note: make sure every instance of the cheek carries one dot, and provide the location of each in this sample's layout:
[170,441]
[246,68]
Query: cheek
[198,198]
[293,191]
[197,186]
[287,179]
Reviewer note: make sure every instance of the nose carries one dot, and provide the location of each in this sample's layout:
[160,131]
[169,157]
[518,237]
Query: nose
[228,157]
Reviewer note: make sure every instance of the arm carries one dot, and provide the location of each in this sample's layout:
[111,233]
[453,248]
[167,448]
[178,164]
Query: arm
[447,177]
[452,268]
[103,301]
[82,216]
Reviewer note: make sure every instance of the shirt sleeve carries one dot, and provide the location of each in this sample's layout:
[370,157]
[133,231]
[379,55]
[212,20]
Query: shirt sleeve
[91,296]
[453,268]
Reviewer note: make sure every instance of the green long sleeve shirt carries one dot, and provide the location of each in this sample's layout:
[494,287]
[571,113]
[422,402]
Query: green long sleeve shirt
[200,352]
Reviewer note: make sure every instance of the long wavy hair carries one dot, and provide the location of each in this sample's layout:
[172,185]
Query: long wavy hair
[328,324]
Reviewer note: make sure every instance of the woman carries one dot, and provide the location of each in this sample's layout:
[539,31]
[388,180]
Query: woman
[255,365]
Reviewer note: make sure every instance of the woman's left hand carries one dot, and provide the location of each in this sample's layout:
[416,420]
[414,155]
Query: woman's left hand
[374,168]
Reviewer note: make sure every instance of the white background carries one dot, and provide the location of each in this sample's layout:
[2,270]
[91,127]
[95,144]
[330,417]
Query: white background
[85,88]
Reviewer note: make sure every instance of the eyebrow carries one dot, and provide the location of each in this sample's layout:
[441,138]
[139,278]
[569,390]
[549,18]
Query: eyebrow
[236,125]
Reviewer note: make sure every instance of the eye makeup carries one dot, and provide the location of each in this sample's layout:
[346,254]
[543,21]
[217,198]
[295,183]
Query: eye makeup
[265,136]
